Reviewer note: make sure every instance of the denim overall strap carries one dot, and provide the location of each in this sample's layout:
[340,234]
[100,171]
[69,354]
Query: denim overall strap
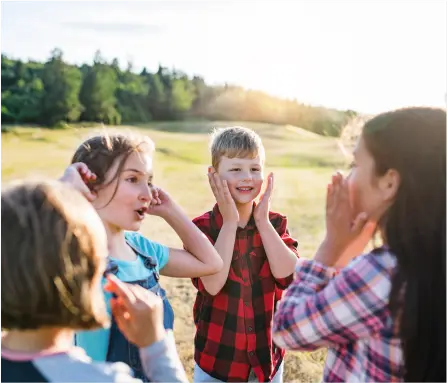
[120,350]
[151,264]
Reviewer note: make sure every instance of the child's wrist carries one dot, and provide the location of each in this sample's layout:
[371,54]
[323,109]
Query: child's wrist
[328,253]
[262,223]
[173,212]
[156,336]
[230,224]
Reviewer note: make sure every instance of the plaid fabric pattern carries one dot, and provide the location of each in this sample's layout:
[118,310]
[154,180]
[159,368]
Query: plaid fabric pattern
[233,328]
[347,312]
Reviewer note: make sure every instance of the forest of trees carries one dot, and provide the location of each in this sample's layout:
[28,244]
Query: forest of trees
[55,92]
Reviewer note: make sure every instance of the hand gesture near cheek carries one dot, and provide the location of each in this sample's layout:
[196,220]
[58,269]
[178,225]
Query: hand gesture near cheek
[345,231]
[161,204]
[225,201]
[261,213]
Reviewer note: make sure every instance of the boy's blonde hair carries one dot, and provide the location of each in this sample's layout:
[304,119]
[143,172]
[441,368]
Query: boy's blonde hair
[53,255]
[235,141]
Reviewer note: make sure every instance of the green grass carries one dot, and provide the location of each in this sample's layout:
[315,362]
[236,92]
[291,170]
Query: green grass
[302,163]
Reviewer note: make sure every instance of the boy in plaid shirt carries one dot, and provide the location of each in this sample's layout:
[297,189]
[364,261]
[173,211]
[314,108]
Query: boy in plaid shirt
[234,308]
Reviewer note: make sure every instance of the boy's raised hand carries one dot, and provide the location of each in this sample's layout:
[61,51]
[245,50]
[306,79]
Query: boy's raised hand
[79,176]
[225,201]
[261,213]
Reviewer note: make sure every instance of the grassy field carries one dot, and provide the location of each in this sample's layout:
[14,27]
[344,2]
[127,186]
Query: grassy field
[302,163]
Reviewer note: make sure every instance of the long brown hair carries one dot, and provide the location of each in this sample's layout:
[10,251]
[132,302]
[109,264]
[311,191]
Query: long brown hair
[413,142]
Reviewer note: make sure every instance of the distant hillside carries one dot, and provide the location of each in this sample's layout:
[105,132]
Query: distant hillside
[55,92]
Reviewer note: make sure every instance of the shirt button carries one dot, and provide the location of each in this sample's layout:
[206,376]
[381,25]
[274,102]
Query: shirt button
[250,328]
[251,353]
[246,303]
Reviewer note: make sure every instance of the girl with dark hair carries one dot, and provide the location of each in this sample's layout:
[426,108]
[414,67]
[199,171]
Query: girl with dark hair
[382,315]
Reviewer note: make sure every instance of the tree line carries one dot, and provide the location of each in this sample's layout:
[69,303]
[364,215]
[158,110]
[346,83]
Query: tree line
[56,92]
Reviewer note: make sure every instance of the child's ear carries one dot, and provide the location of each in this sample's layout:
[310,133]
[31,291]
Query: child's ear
[389,184]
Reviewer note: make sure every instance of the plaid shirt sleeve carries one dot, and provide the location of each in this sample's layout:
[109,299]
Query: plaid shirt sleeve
[323,310]
[203,223]
[280,225]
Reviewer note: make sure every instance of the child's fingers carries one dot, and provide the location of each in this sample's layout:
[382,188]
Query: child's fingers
[81,167]
[329,196]
[156,193]
[226,192]
[335,191]
[213,185]
[84,170]
[121,316]
[217,180]
[86,174]
[269,188]
[145,296]
[344,191]
[121,290]
[219,185]
[118,309]
[336,178]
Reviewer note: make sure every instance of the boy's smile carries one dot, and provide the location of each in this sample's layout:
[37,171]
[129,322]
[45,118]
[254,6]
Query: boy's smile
[244,177]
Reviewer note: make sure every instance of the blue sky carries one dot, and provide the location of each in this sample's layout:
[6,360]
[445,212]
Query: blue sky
[365,55]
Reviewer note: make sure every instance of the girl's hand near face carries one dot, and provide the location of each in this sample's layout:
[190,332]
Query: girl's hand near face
[162,204]
[345,232]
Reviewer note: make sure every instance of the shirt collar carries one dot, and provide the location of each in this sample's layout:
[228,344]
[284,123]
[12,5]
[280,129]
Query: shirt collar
[218,219]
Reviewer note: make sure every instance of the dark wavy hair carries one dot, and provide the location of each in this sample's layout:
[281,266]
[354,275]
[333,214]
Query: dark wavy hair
[413,142]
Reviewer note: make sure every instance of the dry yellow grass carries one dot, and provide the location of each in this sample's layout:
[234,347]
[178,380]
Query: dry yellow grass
[302,165]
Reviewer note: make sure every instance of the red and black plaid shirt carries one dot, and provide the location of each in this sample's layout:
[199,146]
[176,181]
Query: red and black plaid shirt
[234,327]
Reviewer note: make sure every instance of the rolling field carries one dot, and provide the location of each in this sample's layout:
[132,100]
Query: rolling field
[301,161]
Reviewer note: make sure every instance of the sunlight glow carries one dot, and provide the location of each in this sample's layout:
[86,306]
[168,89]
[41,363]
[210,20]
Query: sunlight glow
[368,56]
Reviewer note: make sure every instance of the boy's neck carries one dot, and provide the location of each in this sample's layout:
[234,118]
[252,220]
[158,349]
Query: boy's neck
[34,341]
[245,210]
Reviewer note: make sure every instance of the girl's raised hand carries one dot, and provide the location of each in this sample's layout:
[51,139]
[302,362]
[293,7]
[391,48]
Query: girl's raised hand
[162,204]
[343,228]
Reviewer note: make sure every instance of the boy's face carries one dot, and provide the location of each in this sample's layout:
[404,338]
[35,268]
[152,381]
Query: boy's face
[244,177]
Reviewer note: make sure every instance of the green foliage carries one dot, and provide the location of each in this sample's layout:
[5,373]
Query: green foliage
[131,94]
[98,93]
[61,83]
[56,93]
